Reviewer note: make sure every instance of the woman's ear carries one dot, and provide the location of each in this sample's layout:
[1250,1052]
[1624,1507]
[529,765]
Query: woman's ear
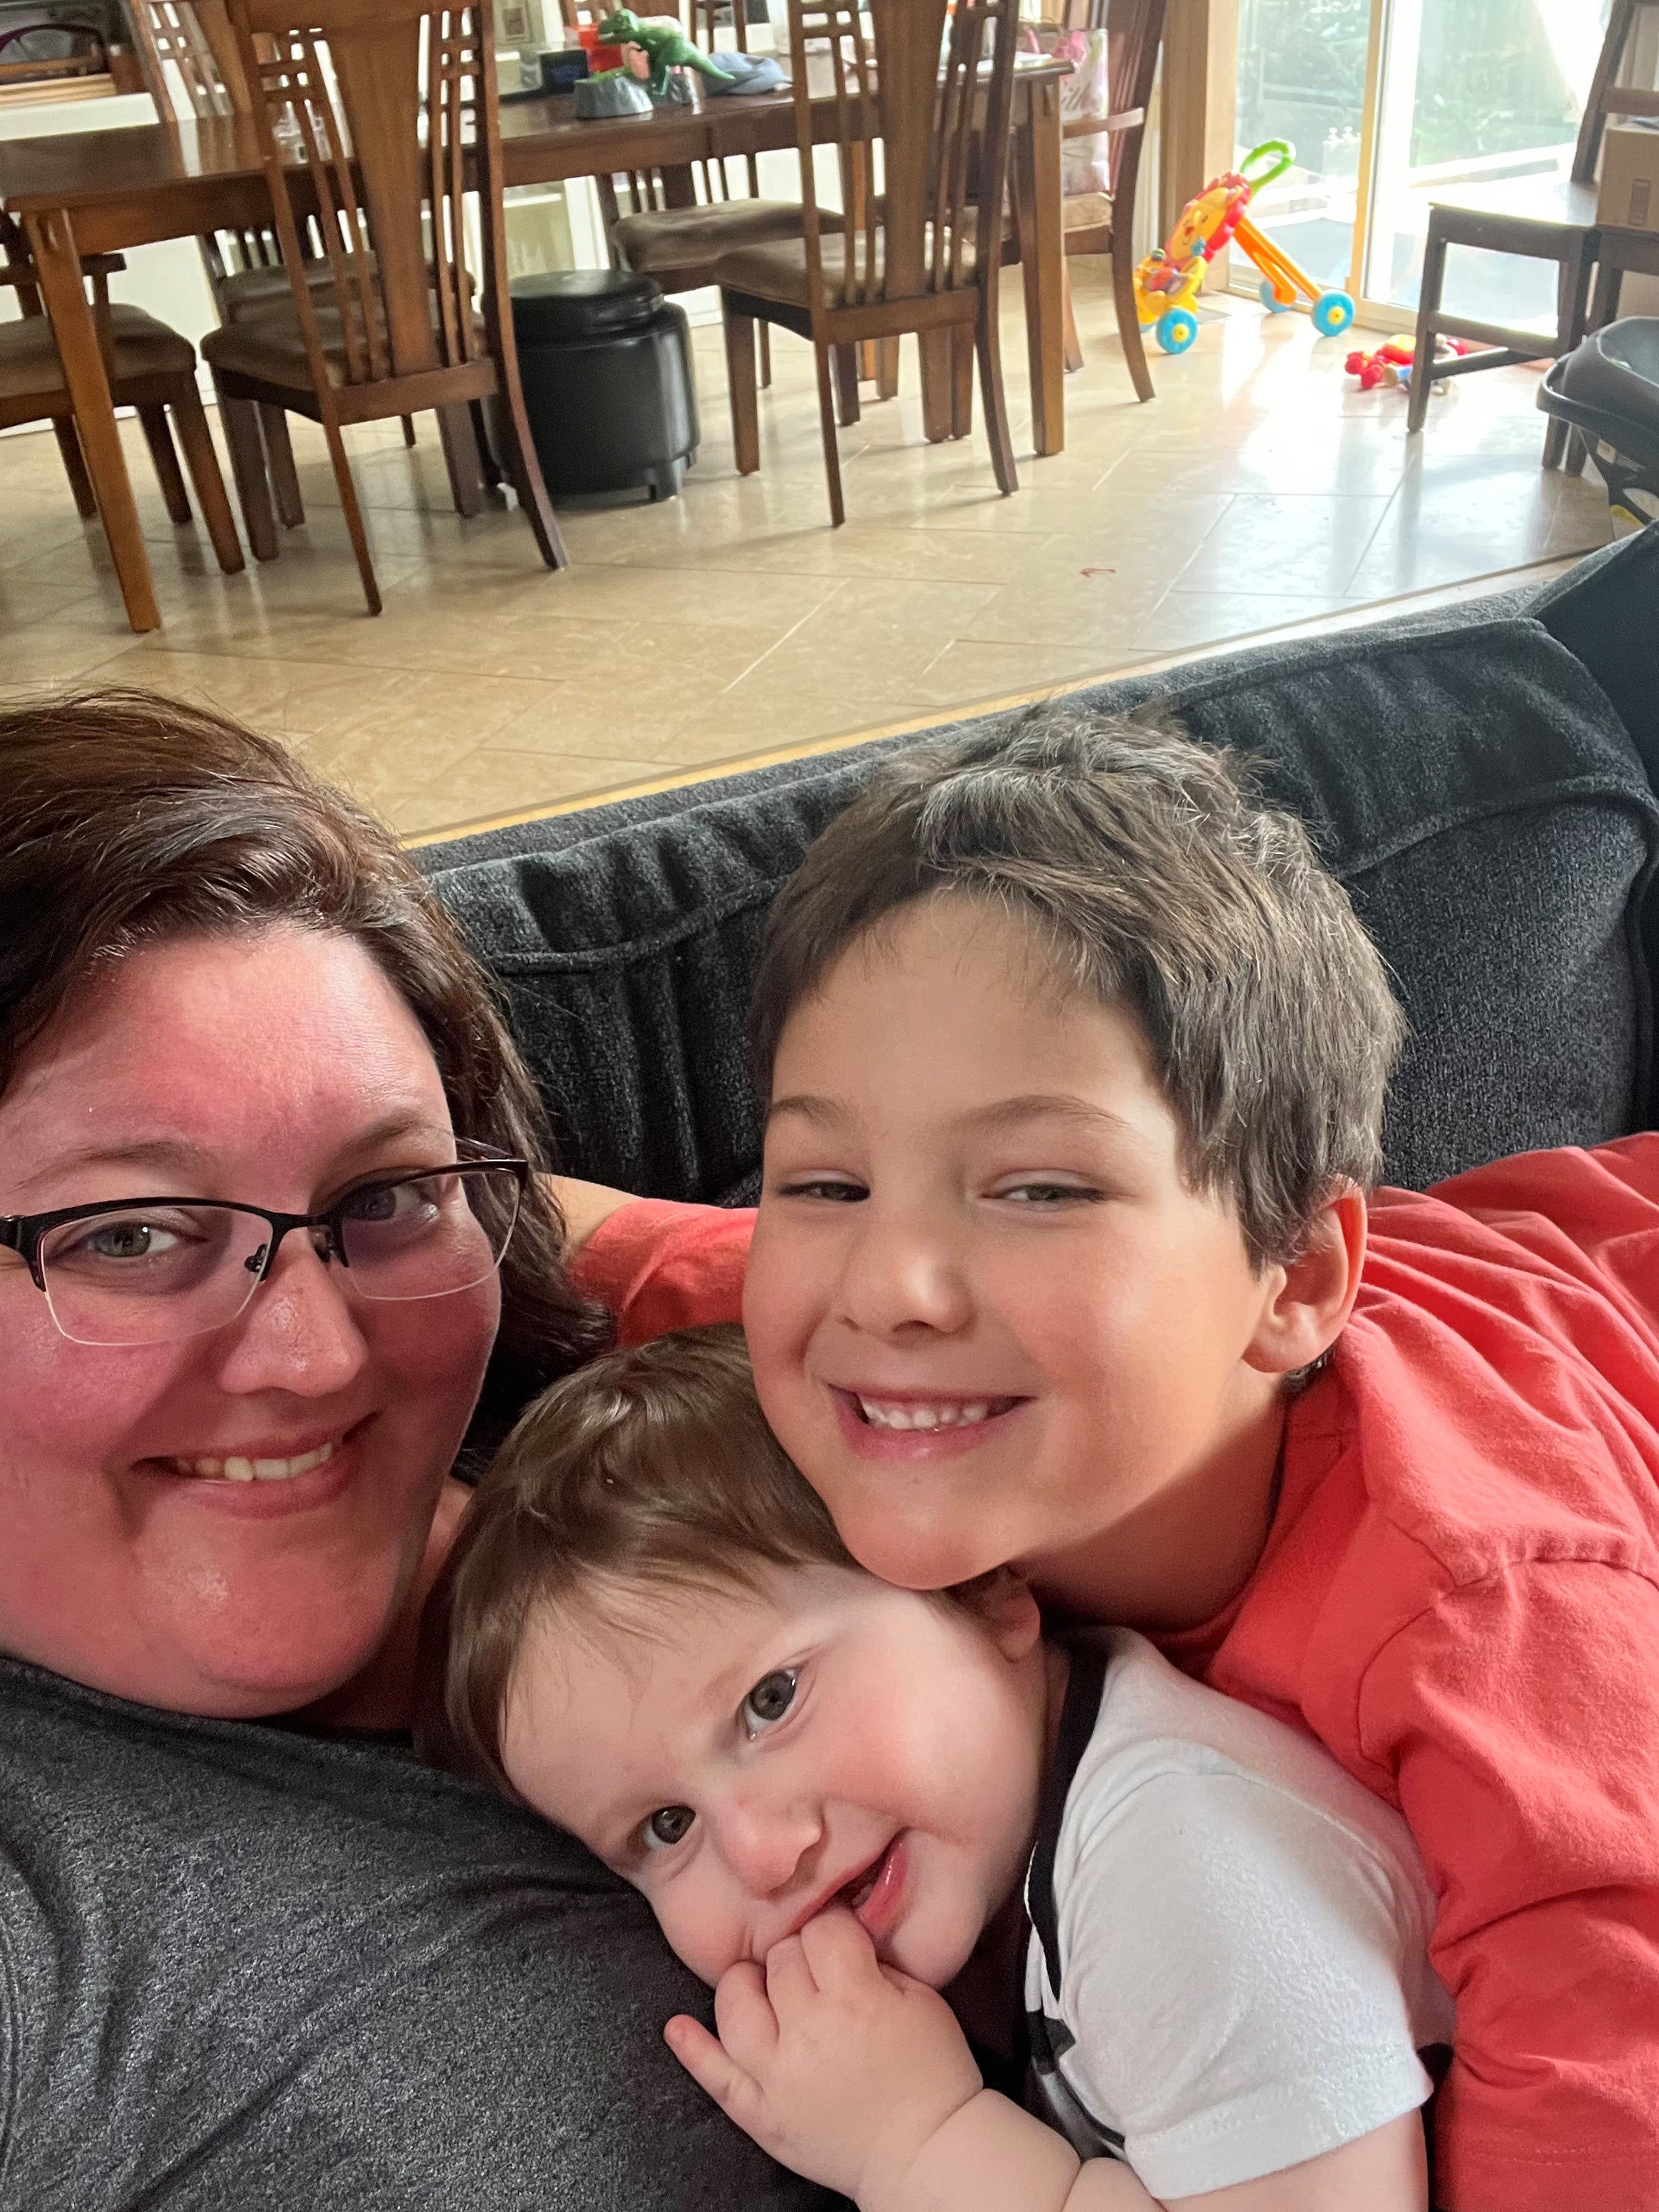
[1002,1602]
[1312,1295]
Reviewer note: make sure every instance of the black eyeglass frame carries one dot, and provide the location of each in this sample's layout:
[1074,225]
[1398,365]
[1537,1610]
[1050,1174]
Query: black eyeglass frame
[25,1233]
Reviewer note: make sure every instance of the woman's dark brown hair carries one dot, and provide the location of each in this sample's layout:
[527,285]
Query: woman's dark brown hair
[128,820]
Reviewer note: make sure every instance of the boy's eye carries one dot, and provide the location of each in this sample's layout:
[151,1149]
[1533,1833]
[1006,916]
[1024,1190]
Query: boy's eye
[838,1193]
[1034,1193]
[668,1825]
[769,1700]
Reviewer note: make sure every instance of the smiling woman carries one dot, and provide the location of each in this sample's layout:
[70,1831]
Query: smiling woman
[270,1260]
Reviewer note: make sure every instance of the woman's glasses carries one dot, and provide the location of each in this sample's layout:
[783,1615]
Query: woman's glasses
[153,1270]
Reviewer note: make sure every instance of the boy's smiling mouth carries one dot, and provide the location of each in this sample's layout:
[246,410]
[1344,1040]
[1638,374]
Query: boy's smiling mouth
[930,1412]
[885,1422]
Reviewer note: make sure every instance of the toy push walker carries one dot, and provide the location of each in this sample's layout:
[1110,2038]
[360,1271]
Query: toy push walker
[1169,280]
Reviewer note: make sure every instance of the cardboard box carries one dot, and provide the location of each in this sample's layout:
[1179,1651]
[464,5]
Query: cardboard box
[1629,197]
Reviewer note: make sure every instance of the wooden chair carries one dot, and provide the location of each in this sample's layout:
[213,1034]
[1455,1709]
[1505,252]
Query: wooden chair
[1104,223]
[1545,219]
[677,223]
[398,331]
[187,56]
[922,256]
[150,367]
[660,233]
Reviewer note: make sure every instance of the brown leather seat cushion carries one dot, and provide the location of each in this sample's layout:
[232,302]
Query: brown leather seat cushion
[778,271]
[247,292]
[28,357]
[272,348]
[662,238]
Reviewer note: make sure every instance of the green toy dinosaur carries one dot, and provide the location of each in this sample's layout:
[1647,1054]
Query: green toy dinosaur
[663,46]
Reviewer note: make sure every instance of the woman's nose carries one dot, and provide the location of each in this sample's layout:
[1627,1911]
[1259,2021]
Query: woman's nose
[904,1271]
[297,1333]
[765,1841]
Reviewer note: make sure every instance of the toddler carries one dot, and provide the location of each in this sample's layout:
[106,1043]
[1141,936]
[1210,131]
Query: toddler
[839,1797]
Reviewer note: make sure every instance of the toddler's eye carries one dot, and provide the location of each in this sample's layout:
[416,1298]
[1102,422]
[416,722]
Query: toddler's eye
[769,1700]
[668,1825]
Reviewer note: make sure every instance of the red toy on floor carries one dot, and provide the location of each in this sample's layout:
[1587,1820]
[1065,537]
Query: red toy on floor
[1391,363]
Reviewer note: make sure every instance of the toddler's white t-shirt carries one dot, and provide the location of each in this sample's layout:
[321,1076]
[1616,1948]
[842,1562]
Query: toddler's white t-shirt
[1227,1971]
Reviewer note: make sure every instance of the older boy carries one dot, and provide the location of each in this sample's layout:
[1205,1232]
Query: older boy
[829,1788]
[1063,1260]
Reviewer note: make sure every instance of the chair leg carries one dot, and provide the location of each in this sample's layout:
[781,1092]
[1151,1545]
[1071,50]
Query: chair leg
[962,382]
[933,349]
[159,439]
[1572,315]
[846,362]
[524,469]
[203,463]
[279,458]
[827,419]
[461,458]
[487,463]
[240,421]
[763,336]
[409,429]
[1434,278]
[988,337]
[1072,342]
[740,382]
[1128,319]
[887,368]
[352,511]
[74,466]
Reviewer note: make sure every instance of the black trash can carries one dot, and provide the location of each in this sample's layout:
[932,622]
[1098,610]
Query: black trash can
[606,365]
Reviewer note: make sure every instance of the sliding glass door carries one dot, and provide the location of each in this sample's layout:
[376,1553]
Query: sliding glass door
[1388,102]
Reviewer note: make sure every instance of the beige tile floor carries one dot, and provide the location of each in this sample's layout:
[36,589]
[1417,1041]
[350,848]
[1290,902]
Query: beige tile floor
[1258,489]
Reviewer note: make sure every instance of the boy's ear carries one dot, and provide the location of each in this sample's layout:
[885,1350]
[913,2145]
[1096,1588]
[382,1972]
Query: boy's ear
[1002,1601]
[1312,1295]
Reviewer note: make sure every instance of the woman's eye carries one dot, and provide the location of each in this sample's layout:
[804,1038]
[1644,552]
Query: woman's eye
[769,1700]
[668,1825]
[128,1240]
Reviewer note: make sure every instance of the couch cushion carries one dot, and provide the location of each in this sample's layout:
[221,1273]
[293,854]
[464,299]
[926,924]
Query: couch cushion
[1466,778]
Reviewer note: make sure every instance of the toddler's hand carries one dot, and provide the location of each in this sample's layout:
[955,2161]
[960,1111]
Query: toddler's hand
[840,2067]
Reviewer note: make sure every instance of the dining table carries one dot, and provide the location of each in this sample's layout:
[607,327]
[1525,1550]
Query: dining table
[101,191]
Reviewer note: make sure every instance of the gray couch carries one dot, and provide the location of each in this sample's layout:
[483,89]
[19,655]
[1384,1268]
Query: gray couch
[1486,781]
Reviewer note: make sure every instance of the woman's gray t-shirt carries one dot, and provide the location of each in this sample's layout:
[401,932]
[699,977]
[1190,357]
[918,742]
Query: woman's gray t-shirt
[242,1966]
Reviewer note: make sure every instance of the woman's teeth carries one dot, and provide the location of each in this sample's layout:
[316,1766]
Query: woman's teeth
[236,1469]
[962,1415]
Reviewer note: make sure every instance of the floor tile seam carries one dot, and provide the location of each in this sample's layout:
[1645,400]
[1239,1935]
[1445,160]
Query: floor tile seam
[760,660]
[1232,499]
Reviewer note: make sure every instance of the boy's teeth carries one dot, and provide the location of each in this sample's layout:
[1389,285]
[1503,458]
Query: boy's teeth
[958,1415]
[237,1469]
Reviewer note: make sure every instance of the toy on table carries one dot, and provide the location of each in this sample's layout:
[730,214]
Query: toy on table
[662,47]
[1391,363]
[1169,280]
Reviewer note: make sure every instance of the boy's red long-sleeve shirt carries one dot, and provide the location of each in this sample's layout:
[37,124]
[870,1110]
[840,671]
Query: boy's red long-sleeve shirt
[1460,1598]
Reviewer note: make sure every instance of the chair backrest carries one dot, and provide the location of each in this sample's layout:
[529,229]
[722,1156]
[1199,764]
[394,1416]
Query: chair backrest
[391,109]
[702,15]
[1134,33]
[922,124]
[187,56]
[1607,96]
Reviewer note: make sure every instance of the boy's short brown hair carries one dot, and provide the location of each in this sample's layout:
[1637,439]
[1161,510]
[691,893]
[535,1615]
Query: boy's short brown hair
[1160,882]
[649,1467]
